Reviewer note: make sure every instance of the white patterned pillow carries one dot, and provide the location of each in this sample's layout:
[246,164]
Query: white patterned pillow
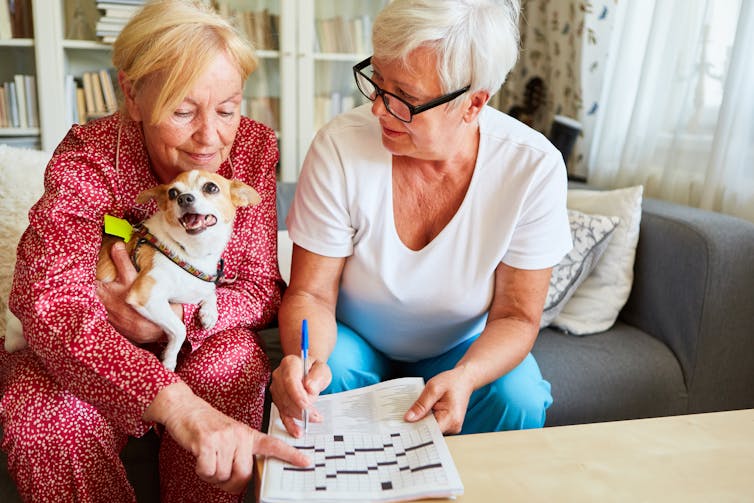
[595,306]
[591,235]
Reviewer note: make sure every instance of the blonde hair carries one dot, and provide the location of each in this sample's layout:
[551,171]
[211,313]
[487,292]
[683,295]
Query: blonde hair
[476,41]
[177,39]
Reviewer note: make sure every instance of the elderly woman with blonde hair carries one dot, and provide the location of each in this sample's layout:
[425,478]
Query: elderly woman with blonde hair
[90,377]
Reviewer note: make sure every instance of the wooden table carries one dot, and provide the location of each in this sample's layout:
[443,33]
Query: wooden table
[700,457]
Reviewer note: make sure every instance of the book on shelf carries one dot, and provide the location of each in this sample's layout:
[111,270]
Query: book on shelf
[92,95]
[11,104]
[109,28]
[108,91]
[261,27]
[22,22]
[99,97]
[120,3]
[71,115]
[116,13]
[3,109]
[112,23]
[19,102]
[6,28]
[80,106]
[343,35]
[20,87]
[91,108]
[32,109]
[363,450]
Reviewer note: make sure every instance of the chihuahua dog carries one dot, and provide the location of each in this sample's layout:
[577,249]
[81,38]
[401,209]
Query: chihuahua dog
[177,252]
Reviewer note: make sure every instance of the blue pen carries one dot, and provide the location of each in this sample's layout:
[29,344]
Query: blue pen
[304,356]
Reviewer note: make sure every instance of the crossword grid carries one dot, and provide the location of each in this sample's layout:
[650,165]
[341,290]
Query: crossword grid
[366,462]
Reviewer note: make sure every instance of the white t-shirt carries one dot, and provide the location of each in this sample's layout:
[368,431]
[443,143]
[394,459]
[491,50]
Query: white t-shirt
[418,304]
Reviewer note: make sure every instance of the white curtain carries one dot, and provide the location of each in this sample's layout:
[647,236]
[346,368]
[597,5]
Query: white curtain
[677,106]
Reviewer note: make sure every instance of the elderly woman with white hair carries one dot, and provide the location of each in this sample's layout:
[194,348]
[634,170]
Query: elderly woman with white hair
[426,225]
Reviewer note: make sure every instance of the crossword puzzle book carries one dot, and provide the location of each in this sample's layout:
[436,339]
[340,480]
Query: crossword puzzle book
[365,451]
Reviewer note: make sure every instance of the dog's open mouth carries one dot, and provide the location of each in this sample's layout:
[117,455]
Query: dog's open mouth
[195,223]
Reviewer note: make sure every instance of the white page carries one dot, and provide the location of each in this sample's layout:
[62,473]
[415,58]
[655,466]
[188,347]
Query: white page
[364,451]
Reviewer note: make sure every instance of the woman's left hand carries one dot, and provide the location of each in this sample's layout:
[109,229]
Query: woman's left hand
[447,395]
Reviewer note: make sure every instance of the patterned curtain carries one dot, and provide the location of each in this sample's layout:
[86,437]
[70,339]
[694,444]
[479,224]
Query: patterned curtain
[560,68]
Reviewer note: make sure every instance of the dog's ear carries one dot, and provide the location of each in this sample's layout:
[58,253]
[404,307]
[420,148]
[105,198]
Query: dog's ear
[243,195]
[158,193]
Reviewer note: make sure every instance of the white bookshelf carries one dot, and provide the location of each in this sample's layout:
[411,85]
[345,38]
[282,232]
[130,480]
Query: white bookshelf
[298,74]
[17,57]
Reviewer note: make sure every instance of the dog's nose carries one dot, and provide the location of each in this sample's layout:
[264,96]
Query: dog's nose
[185,200]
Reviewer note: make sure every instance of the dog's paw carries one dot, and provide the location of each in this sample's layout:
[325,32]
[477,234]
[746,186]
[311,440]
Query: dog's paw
[208,314]
[170,363]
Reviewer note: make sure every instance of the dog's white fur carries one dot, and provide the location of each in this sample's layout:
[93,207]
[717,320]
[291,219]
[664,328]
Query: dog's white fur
[160,281]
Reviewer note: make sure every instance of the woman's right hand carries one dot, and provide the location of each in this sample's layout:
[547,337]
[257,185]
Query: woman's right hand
[223,447]
[292,393]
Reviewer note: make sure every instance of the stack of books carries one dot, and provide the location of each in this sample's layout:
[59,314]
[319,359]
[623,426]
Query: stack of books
[18,103]
[91,96]
[344,35]
[116,13]
[261,28]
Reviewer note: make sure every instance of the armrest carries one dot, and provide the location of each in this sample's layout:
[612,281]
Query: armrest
[694,290]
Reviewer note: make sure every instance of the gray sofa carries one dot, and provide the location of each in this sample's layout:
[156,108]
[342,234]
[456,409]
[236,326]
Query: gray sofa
[684,342]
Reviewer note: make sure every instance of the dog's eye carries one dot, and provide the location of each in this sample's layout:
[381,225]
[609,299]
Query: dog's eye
[211,188]
[173,193]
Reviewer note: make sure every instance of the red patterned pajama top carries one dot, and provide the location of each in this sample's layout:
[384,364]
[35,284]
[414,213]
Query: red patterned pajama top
[53,292]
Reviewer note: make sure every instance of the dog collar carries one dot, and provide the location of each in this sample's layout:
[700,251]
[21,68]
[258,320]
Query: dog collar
[145,237]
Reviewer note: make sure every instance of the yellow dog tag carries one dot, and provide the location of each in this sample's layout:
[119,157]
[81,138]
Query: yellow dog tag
[119,227]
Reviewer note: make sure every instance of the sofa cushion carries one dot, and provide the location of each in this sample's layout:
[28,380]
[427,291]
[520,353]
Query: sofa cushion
[623,373]
[595,305]
[591,235]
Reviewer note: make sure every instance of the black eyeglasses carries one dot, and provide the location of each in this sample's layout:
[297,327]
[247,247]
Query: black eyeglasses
[396,106]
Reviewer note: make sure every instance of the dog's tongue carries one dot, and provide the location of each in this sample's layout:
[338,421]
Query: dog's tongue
[195,223]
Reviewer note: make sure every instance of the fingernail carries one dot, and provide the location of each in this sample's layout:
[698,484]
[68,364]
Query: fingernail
[410,415]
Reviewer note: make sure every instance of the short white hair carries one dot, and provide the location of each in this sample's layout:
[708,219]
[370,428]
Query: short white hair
[476,41]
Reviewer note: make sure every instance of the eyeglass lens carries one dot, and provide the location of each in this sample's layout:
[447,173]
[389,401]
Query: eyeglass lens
[393,105]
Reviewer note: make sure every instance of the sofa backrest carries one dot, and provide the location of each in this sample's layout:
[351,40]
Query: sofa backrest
[285,191]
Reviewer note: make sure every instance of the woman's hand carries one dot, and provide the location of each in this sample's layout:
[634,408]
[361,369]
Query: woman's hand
[292,393]
[122,316]
[447,395]
[223,447]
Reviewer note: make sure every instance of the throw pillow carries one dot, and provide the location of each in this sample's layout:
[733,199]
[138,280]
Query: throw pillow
[591,235]
[595,305]
[21,184]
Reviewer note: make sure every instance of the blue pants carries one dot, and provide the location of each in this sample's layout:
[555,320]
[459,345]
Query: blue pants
[518,400]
